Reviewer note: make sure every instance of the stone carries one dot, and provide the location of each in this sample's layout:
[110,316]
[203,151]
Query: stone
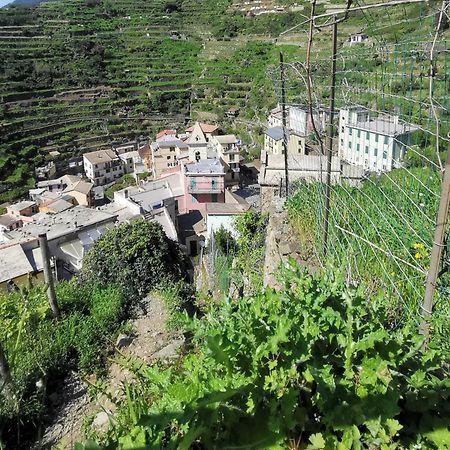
[101,421]
[169,351]
[123,341]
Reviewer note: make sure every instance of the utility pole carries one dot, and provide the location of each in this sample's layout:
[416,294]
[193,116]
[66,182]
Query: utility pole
[48,276]
[436,252]
[284,115]
[330,140]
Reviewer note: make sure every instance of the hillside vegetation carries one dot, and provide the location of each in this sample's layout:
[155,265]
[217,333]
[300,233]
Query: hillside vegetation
[79,74]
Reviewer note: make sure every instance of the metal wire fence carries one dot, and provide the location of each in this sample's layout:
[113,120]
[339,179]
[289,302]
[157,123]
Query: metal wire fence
[391,121]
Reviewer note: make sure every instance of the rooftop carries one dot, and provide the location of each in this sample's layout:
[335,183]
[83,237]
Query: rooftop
[22,205]
[276,133]
[100,156]
[7,221]
[169,141]
[61,224]
[384,127]
[205,166]
[226,139]
[206,128]
[15,262]
[165,133]
[81,186]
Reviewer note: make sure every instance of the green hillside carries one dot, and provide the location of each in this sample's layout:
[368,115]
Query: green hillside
[79,74]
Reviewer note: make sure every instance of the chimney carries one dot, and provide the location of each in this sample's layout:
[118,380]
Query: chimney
[125,193]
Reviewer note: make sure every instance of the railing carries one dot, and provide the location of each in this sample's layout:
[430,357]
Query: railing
[205,189]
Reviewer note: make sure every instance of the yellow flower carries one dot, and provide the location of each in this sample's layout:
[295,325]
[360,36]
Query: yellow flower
[392,274]
[418,245]
[418,255]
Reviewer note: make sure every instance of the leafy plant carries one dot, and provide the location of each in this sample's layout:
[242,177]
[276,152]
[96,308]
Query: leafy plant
[136,257]
[313,364]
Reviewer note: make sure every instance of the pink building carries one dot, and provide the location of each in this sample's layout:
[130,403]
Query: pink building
[196,184]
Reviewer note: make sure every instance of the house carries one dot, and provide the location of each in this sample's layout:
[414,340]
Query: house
[275,118]
[378,144]
[232,113]
[166,152]
[164,133]
[22,210]
[358,38]
[208,130]
[69,185]
[204,183]
[19,264]
[133,164]
[274,138]
[151,201]
[70,233]
[306,168]
[228,151]
[46,172]
[102,167]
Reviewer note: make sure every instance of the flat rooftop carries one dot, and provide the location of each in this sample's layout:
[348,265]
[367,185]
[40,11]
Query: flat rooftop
[385,127]
[61,224]
[205,166]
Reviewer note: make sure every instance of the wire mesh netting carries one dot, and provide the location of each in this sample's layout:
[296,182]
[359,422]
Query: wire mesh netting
[389,141]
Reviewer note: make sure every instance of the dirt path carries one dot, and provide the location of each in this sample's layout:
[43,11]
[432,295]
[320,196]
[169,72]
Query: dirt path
[71,404]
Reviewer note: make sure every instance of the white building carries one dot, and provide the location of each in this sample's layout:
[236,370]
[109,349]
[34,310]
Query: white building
[228,151]
[103,167]
[358,38]
[379,145]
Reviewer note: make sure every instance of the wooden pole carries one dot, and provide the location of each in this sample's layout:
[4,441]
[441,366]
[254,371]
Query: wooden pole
[330,141]
[436,252]
[284,115]
[48,276]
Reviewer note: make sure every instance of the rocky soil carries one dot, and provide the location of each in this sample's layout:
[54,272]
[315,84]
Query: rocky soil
[150,340]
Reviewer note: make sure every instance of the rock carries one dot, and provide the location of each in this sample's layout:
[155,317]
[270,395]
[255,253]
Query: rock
[123,341]
[169,351]
[101,421]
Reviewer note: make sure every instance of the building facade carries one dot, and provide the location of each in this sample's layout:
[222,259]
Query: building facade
[377,144]
[102,167]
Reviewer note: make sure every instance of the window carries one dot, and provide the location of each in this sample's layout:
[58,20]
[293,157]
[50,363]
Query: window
[384,155]
[367,149]
[214,198]
[172,149]
[342,129]
[350,130]
[168,156]
[376,137]
[350,145]
[357,147]
[386,140]
[359,133]
[375,152]
[367,135]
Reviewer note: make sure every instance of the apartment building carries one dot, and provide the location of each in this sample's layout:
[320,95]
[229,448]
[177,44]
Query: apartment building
[103,167]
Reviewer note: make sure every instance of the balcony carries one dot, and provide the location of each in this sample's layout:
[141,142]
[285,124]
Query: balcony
[205,188]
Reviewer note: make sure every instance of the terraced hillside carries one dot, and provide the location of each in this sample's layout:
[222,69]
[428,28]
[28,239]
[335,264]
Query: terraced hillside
[79,74]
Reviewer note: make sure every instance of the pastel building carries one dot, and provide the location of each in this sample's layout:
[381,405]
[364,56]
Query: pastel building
[228,151]
[377,144]
[204,183]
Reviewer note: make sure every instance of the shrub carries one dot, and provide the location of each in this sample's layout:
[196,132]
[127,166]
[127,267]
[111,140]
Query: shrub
[136,257]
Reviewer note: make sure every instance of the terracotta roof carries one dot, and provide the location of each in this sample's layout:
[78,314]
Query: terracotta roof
[166,133]
[206,128]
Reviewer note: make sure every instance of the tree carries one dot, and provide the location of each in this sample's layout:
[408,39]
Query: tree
[136,257]
[225,241]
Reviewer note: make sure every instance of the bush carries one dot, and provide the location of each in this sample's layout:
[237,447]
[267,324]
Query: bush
[225,241]
[136,257]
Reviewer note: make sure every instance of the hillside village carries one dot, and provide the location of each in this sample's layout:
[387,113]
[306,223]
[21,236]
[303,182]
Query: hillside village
[224,224]
[191,182]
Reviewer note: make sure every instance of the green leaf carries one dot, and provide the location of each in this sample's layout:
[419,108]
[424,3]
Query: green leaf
[317,442]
